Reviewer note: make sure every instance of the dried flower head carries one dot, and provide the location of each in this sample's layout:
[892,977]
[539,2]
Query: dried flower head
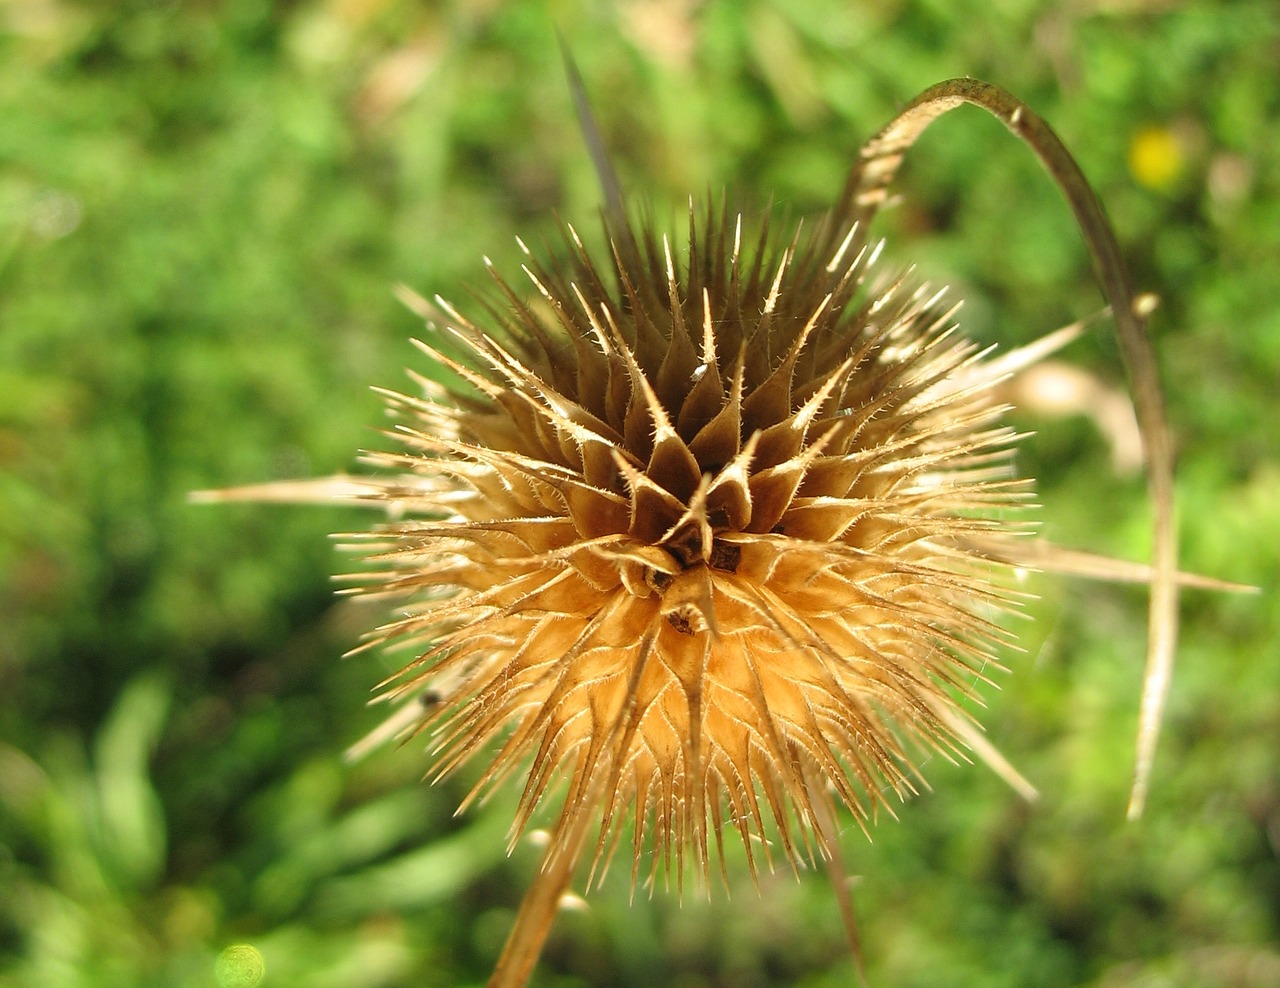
[715,537]
[686,534]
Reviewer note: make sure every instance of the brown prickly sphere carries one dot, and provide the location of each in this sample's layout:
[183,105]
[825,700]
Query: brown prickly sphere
[716,538]
[698,533]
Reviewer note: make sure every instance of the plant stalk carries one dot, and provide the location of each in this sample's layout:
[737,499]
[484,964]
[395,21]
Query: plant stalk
[866,190]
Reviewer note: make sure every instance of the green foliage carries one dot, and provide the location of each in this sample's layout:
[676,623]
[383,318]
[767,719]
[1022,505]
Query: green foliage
[203,209]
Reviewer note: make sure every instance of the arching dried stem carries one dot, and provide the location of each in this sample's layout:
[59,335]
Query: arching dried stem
[866,191]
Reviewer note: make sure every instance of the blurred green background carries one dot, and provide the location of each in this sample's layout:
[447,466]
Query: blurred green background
[203,209]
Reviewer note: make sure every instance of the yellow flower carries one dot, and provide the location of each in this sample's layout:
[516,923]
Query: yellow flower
[1156,157]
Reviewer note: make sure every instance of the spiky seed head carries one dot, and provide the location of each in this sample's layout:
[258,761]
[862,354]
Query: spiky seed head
[722,542]
[704,535]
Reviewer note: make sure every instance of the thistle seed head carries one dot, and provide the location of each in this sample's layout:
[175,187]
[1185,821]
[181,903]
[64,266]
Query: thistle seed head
[705,535]
[717,538]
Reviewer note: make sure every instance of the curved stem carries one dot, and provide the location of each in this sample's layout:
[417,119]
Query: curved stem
[866,191]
